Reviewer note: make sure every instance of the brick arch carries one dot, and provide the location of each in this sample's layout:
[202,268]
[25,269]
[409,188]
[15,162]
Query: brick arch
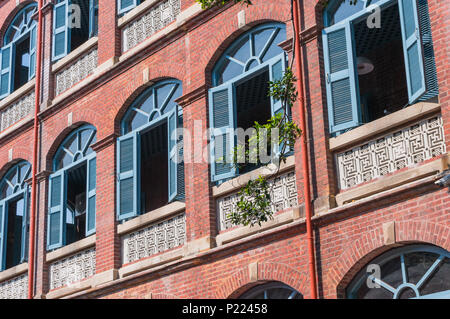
[240,281]
[160,76]
[5,168]
[370,245]
[58,140]
[11,16]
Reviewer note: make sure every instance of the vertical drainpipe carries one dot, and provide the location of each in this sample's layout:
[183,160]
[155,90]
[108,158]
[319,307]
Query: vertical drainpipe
[37,93]
[304,151]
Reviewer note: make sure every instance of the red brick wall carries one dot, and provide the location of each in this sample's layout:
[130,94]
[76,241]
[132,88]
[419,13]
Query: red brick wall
[189,57]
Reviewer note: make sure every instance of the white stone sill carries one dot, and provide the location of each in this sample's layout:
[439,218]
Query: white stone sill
[13,272]
[151,217]
[237,183]
[136,12]
[382,125]
[71,249]
[75,54]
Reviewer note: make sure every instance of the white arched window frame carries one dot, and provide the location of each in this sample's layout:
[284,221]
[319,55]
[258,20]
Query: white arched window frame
[13,186]
[21,27]
[73,152]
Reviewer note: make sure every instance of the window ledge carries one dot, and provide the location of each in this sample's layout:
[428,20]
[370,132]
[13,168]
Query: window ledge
[397,179]
[151,217]
[136,12]
[69,58]
[13,272]
[17,94]
[383,124]
[241,232]
[71,249]
[237,182]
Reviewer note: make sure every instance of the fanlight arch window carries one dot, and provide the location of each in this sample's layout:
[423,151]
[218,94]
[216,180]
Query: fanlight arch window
[18,54]
[14,219]
[417,271]
[272,290]
[150,150]
[72,190]
[240,93]
[339,10]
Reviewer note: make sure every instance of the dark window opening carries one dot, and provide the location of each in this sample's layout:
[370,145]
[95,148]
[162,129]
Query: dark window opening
[252,105]
[76,204]
[14,236]
[21,62]
[381,66]
[154,168]
[80,35]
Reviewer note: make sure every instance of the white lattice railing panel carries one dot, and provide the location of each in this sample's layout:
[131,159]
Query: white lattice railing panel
[153,239]
[16,111]
[14,288]
[387,154]
[77,71]
[283,195]
[157,17]
[72,269]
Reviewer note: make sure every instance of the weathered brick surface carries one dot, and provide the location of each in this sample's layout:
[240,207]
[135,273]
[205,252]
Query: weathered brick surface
[344,243]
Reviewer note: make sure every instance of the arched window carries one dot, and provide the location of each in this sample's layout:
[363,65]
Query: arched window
[378,58]
[18,54]
[72,190]
[14,207]
[416,271]
[74,22]
[273,290]
[240,93]
[150,154]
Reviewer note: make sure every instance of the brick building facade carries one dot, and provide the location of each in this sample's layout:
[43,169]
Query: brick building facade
[373,182]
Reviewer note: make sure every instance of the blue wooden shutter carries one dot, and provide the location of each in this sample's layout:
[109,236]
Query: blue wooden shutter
[56,211]
[61,34]
[412,49]
[32,64]
[93,18]
[128,188]
[172,120]
[25,223]
[3,223]
[180,166]
[125,5]
[6,71]
[222,123]
[340,76]
[277,69]
[91,195]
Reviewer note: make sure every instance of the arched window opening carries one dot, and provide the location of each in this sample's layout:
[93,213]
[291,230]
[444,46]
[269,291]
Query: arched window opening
[240,93]
[72,190]
[417,271]
[14,218]
[18,54]
[273,290]
[150,154]
[378,58]
[74,22]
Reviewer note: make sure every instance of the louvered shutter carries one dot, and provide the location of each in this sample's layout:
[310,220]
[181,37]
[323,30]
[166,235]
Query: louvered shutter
[125,5]
[56,211]
[91,195]
[61,34]
[412,49]
[25,223]
[3,223]
[128,188]
[93,18]
[6,72]
[277,67]
[341,84]
[180,166]
[222,123]
[172,120]
[32,64]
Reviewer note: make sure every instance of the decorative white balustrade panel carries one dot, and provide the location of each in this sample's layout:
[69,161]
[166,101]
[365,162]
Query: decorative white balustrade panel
[72,269]
[153,239]
[403,148]
[15,288]
[283,195]
[159,16]
[16,111]
[77,71]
